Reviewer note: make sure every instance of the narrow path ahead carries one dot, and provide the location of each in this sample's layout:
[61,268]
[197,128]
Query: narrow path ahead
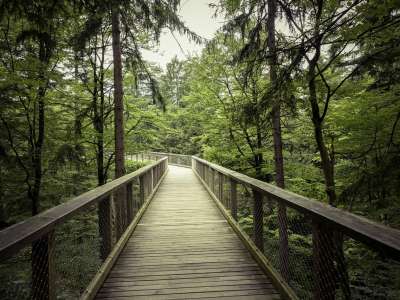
[183,248]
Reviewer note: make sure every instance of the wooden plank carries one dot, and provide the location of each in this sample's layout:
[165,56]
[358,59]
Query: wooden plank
[184,248]
[97,281]
[169,281]
[210,272]
[266,266]
[247,294]
[189,290]
[188,284]
[177,277]
[224,266]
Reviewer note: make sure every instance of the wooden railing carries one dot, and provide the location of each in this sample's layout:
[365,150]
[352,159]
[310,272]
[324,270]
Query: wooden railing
[181,160]
[103,218]
[306,247]
[284,222]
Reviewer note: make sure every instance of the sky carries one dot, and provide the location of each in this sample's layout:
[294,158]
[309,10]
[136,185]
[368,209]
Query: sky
[199,17]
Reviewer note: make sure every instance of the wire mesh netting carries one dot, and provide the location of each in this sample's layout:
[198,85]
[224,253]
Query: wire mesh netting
[15,275]
[78,253]
[371,274]
[315,258]
[61,262]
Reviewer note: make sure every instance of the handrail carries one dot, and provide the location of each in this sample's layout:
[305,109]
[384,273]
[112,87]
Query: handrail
[182,160]
[17,236]
[167,153]
[380,236]
[113,209]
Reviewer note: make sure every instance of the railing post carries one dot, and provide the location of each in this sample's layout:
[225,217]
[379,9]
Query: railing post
[149,182]
[283,242]
[146,185]
[220,187]
[153,178]
[213,181]
[141,190]
[206,175]
[105,226]
[323,261]
[42,259]
[258,214]
[120,207]
[129,202]
[233,198]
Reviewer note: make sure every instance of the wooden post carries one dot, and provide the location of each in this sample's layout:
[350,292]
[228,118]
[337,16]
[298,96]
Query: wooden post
[149,182]
[105,226]
[146,185]
[141,190]
[220,187]
[129,202]
[283,242]
[213,181]
[258,214]
[206,175]
[121,208]
[42,259]
[323,261]
[233,197]
[152,179]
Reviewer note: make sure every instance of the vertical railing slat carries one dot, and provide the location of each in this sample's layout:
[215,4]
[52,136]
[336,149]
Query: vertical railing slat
[105,226]
[258,213]
[42,260]
[129,202]
[323,261]
[233,198]
[141,190]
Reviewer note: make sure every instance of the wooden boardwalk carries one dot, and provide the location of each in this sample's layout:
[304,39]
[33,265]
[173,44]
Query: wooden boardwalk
[183,248]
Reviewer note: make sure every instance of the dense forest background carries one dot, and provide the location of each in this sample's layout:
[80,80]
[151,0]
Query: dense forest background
[335,94]
[302,94]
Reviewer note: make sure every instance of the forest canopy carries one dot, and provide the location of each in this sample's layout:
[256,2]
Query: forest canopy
[310,103]
[304,95]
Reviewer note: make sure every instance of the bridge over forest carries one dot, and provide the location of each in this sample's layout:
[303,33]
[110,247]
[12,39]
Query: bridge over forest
[184,228]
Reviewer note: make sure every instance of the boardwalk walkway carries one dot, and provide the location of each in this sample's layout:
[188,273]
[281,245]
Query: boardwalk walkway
[184,249]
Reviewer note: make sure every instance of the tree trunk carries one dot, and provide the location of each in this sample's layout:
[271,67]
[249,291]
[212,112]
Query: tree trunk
[118,120]
[118,96]
[276,110]
[39,141]
[326,163]
[277,138]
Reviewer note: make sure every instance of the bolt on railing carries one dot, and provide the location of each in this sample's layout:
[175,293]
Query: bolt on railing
[64,252]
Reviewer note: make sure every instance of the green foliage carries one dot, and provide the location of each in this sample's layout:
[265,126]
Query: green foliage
[218,105]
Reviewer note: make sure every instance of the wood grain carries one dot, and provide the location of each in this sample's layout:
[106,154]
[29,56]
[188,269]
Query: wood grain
[183,248]
[381,237]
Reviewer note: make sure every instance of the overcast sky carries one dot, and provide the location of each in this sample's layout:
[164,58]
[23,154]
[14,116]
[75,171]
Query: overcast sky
[199,17]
